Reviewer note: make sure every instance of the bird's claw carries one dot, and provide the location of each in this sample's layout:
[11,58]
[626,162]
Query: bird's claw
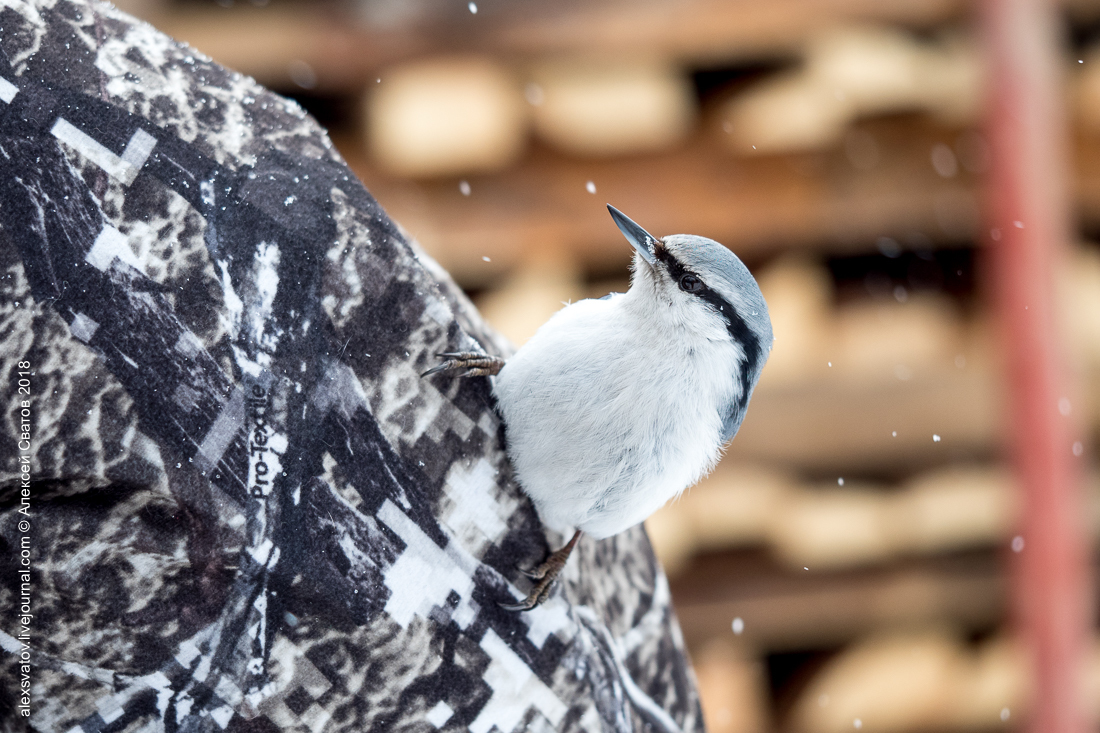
[536,573]
[546,574]
[467,364]
[536,597]
[515,606]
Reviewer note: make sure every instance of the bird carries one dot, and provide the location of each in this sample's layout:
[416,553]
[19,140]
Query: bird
[618,404]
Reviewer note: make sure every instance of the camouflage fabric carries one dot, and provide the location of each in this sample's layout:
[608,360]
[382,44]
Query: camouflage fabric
[227,500]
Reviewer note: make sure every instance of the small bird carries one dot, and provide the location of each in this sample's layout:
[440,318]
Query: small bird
[617,405]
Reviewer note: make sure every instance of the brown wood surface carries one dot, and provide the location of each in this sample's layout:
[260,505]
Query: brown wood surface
[347,49]
[755,206]
[784,610]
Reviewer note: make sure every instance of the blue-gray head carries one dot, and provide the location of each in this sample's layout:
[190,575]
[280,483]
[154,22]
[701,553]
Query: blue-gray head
[709,287]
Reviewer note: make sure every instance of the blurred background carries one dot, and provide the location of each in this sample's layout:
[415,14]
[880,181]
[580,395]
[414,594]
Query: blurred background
[850,564]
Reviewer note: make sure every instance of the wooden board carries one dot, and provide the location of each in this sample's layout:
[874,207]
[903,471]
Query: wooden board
[754,206]
[785,611]
[347,49]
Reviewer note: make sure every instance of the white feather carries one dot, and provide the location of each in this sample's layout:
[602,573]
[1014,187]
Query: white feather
[614,406]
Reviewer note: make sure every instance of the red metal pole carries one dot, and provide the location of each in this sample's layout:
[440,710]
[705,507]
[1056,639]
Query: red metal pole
[1028,227]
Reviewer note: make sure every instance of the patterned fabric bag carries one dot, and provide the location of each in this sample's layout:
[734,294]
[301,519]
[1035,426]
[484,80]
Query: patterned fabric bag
[227,501]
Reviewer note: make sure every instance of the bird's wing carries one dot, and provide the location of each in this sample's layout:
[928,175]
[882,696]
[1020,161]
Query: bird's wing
[732,421]
[734,412]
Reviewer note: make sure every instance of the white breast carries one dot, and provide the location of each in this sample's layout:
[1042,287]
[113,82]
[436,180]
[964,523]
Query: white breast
[610,411]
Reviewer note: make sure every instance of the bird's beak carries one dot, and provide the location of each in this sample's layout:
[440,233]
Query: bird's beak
[643,241]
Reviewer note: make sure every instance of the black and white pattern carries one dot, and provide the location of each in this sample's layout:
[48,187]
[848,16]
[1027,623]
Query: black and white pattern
[249,513]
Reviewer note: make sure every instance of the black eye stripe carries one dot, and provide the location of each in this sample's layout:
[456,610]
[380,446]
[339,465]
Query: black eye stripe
[675,269]
[738,329]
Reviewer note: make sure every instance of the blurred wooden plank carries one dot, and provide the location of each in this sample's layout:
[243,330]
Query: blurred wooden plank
[781,611]
[755,206]
[1085,167]
[705,30]
[347,47]
[752,205]
[847,426]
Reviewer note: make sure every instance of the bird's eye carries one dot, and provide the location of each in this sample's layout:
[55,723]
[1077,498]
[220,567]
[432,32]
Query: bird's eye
[690,284]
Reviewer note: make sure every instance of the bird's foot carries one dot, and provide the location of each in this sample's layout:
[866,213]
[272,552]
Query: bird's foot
[467,364]
[546,574]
